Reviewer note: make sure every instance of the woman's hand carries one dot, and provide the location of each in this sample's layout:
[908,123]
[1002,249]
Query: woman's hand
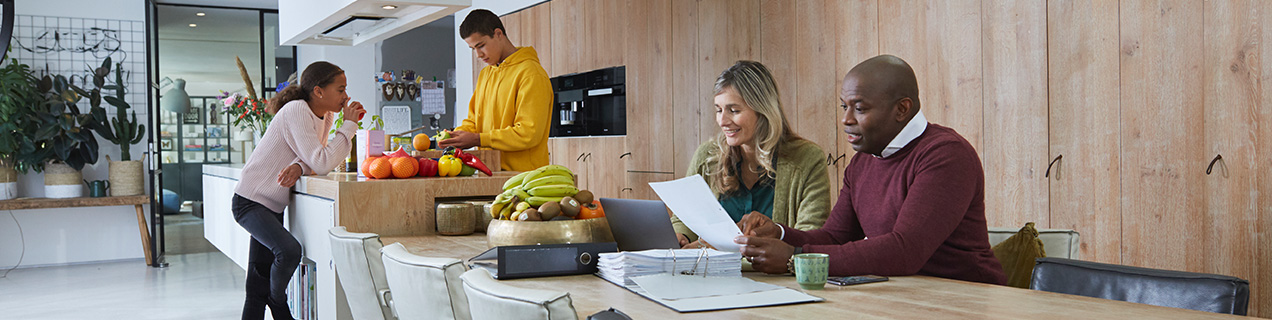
[353,111]
[288,177]
[767,255]
[697,244]
[682,239]
[758,225]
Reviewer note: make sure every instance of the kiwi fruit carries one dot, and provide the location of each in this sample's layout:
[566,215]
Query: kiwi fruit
[584,196]
[570,207]
[549,210]
[531,214]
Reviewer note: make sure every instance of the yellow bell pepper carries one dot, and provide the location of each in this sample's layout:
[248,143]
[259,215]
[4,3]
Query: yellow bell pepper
[449,166]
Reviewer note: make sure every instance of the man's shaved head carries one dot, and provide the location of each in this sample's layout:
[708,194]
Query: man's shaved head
[879,97]
[889,77]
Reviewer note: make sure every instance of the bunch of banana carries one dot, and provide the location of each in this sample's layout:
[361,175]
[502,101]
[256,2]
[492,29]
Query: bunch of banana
[533,188]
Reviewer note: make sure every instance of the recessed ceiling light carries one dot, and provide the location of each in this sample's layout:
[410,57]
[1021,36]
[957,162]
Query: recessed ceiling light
[200,14]
[193,25]
[389,7]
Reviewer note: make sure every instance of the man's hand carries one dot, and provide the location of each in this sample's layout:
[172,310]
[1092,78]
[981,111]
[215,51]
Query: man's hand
[697,244]
[461,140]
[765,254]
[758,225]
[288,177]
[683,239]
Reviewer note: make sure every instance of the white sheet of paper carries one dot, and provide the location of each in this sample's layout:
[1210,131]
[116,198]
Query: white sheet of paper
[674,287]
[692,200]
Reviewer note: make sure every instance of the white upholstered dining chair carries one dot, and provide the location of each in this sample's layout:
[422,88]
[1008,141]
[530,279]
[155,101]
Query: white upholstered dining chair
[361,273]
[489,299]
[424,287]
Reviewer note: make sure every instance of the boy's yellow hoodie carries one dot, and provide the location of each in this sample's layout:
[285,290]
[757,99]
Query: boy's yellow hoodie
[511,109]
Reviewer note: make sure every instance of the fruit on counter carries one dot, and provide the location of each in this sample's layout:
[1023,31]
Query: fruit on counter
[428,167]
[441,135]
[583,196]
[470,160]
[591,210]
[522,206]
[549,181]
[546,171]
[516,180]
[549,210]
[530,215]
[449,166]
[420,142]
[366,163]
[555,190]
[404,167]
[538,201]
[467,171]
[569,206]
[380,168]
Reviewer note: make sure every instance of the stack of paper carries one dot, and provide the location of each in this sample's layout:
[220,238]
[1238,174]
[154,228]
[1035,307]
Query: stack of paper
[621,267]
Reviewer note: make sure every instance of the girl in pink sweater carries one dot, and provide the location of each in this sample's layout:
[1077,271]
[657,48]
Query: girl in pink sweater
[296,144]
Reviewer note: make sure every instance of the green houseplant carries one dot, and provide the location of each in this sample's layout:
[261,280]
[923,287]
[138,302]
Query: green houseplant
[18,93]
[64,137]
[126,174]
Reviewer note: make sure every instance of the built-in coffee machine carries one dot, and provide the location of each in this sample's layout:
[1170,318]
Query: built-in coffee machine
[592,103]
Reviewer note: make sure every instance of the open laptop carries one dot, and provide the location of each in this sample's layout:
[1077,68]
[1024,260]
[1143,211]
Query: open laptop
[640,224]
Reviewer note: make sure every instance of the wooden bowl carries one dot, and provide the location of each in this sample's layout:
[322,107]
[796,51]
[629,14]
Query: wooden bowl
[511,233]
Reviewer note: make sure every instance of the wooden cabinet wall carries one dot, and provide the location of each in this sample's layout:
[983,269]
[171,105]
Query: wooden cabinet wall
[1135,98]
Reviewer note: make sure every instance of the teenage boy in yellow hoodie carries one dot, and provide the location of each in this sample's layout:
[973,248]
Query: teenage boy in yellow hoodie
[511,108]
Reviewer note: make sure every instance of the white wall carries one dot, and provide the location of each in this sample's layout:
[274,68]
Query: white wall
[359,64]
[464,55]
[74,235]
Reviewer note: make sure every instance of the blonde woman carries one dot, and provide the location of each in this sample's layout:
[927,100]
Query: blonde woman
[757,164]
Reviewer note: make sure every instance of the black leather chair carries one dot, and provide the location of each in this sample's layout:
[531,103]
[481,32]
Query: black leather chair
[1196,291]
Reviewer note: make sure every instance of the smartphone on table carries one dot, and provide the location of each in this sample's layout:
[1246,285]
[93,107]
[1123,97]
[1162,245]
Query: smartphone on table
[848,281]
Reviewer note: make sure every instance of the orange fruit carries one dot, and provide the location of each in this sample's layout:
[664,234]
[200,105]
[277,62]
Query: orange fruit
[366,164]
[420,142]
[380,168]
[404,167]
[593,210]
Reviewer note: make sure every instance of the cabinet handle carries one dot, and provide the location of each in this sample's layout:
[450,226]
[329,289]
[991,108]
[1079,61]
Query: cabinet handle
[840,157]
[1212,163]
[580,157]
[624,155]
[829,158]
[1053,161]
[588,157]
[625,189]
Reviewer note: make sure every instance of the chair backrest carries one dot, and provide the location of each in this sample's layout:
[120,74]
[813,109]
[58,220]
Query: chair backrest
[357,259]
[423,287]
[489,299]
[1196,291]
[1058,243]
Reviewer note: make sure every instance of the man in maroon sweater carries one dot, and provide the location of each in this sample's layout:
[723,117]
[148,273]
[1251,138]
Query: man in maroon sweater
[913,198]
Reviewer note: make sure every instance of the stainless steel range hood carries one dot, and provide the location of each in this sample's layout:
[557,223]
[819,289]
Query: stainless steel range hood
[353,22]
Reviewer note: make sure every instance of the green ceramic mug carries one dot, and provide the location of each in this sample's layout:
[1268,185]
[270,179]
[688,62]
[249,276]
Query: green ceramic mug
[811,270]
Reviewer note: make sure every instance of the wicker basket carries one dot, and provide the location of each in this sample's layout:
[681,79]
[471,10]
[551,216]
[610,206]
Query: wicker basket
[455,218]
[62,181]
[126,178]
[481,215]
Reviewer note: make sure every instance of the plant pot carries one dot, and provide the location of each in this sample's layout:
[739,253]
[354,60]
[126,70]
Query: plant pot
[62,181]
[8,181]
[126,178]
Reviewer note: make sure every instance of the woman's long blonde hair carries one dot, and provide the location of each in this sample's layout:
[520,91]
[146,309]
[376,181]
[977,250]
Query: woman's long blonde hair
[755,84]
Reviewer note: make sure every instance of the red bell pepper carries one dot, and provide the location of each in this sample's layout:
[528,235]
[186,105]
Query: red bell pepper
[428,167]
[472,161]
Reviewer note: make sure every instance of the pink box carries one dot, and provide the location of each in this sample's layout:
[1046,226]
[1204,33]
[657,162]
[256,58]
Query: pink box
[370,143]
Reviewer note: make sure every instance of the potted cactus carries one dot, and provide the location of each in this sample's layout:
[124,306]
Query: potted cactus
[126,175]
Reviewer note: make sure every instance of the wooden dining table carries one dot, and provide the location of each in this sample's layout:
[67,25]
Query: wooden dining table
[909,297]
